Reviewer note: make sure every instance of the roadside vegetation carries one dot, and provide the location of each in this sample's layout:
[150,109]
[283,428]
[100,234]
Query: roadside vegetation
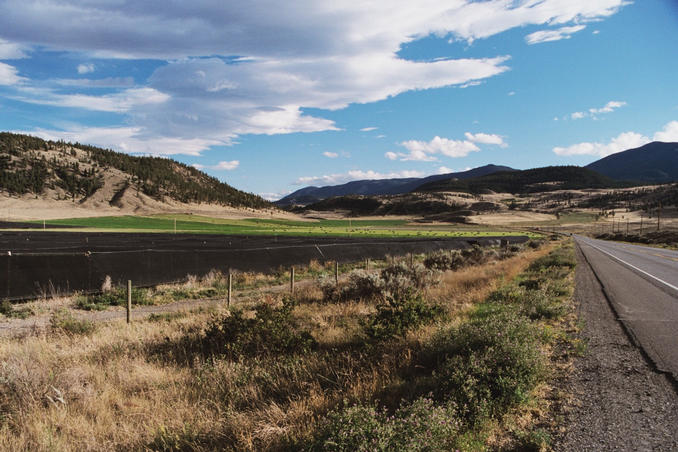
[444,352]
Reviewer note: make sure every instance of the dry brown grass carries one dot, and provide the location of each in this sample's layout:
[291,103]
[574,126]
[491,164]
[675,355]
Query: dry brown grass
[143,386]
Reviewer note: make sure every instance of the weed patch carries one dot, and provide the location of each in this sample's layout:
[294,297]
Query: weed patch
[270,331]
[63,321]
[419,426]
[9,310]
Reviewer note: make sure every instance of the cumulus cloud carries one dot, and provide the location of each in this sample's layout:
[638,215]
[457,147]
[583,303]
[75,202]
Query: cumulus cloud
[668,134]
[427,151]
[221,166]
[341,178]
[553,35]
[594,112]
[486,138]
[274,196]
[330,155]
[303,54]
[438,145]
[11,51]
[9,75]
[622,142]
[85,68]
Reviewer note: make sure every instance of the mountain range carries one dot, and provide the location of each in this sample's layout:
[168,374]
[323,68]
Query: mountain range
[653,163]
[310,195]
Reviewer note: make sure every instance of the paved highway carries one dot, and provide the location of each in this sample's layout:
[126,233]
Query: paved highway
[642,284]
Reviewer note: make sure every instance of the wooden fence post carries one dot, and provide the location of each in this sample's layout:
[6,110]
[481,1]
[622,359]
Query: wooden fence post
[336,272]
[292,280]
[230,287]
[367,264]
[641,225]
[129,301]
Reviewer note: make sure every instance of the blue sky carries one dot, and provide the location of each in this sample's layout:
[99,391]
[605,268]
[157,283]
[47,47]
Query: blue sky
[272,96]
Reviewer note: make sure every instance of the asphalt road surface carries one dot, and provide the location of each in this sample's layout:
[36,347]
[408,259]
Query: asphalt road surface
[642,285]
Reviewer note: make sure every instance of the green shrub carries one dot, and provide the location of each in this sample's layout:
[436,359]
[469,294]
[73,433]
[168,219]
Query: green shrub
[396,281]
[534,304]
[9,310]
[419,426]
[474,255]
[270,331]
[166,316]
[64,321]
[488,364]
[444,260]
[399,316]
[117,297]
[562,257]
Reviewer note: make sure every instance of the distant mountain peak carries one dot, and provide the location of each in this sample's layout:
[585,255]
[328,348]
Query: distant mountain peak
[655,162]
[310,195]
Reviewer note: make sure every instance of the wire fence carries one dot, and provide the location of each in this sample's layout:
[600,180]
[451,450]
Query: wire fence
[26,275]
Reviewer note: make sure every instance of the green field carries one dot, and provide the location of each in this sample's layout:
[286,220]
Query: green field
[332,228]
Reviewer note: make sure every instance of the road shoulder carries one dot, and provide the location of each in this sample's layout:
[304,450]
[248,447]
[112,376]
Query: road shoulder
[618,401]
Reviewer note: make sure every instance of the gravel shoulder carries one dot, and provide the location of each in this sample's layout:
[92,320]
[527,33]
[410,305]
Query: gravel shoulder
[618,401]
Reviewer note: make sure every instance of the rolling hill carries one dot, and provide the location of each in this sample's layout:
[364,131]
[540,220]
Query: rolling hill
[310,195]
[98,177]
[655,162]
[545,179]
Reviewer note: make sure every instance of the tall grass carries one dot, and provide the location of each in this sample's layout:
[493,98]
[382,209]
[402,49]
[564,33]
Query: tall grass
[252,381]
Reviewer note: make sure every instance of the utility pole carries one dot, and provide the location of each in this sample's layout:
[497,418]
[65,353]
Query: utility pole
[641,224]
[659,214]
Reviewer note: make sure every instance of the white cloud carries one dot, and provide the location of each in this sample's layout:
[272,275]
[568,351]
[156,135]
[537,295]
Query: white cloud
[594,112]
[120,102]
[108,82]
[422,150]
[221,166]
[274,196]
[127,139]
[444,170]
[471,83]
[11,51]
[486,138]
[608,108]
[595,32]
[85,68]
[622,142]
[341,178]
[668,134]
[368,129]
[9,75]
[553,35]
[427,151]
[511,93]
[296,55]
[330,155]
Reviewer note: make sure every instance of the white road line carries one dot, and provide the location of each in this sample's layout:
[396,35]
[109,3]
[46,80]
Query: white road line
[634,267]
